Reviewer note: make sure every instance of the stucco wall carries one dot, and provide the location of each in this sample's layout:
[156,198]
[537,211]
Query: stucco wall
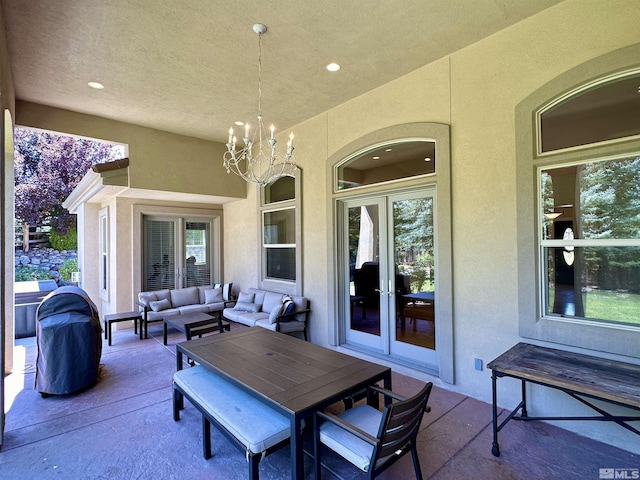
[476,91]
[188,164]
[6,224]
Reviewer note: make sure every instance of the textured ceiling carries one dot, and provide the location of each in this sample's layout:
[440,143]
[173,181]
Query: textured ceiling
[191,67]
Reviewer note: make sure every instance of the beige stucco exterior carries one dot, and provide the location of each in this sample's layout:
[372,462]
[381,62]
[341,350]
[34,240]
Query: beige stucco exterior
[475,91]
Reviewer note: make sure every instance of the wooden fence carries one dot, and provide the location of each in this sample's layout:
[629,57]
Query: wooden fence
[33,236]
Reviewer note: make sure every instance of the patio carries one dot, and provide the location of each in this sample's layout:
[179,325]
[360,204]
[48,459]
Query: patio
[123,428]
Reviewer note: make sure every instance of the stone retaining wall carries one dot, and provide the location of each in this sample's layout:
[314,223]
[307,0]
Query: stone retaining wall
[47,258]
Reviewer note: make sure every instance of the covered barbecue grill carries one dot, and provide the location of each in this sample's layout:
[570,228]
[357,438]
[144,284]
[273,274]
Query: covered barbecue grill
[69,340]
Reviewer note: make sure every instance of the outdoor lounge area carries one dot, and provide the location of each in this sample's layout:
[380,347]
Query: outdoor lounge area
[456,202]
[123,428]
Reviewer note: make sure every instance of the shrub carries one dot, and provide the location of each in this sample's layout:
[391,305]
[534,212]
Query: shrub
[66,268]
[25,274]
[69,241]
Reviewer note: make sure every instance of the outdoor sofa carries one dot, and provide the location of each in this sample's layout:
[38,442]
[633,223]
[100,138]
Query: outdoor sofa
[275,311]
[156,305]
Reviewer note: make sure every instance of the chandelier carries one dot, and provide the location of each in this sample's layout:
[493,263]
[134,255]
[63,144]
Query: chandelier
[259,162]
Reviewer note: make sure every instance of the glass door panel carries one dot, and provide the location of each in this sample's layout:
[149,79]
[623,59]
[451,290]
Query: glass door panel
[389,294]
[198,254]
[413,244]
[177,253]
[159,265]
[363,246]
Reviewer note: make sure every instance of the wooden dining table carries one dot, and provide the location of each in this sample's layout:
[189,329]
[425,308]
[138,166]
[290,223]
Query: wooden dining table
[295,377]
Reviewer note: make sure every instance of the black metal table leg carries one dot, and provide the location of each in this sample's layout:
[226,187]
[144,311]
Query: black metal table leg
[495,448]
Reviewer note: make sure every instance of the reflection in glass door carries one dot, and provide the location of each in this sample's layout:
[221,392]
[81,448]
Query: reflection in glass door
[159,265]
[177,253]
[389,287]
[412,230]
[366,304]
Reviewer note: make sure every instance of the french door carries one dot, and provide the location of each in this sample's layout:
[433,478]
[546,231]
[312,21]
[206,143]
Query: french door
[389,275]
[177,252]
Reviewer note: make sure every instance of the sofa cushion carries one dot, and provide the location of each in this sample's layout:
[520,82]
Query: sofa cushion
[147,297]
[197,308]
[157,316]
[213,295]
[275,311]
[247,307]
[226,290]
[259,295]
[301,304]
[185,296]
[286,327]
[159,305]
[250,318]
[201,290]
[271,299]
[162,294]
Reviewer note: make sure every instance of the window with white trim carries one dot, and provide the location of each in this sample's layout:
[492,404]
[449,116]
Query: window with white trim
[280,235]
[104,253]
[589,233]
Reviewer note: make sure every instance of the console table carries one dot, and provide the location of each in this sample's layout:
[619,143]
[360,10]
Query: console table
[582,377]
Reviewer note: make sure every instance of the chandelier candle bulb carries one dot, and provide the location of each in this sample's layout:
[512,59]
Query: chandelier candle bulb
[273,129]
[230,135]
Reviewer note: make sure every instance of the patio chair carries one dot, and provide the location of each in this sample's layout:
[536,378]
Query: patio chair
[373,440]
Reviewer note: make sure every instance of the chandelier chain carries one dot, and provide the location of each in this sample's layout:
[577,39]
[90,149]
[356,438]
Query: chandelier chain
[260,74]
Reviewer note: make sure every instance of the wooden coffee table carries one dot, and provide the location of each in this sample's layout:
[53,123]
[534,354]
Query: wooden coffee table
[180,322]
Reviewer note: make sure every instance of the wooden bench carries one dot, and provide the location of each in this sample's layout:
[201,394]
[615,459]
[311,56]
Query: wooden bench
[582,377]
[251,425]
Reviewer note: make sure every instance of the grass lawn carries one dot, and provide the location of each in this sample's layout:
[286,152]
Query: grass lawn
[610,305]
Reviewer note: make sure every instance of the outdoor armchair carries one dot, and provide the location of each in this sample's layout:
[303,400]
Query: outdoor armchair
[373,440]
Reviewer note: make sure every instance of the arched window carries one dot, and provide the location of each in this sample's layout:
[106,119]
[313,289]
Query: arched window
[389,161]
[580,259]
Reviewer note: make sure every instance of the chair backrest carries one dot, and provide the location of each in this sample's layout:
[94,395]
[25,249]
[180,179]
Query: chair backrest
[399,426]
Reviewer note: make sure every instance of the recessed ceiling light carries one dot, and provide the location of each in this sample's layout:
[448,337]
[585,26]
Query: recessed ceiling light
[96,85]
[376,158]
[388,149]
[428,159]
[333,67]
[239,123]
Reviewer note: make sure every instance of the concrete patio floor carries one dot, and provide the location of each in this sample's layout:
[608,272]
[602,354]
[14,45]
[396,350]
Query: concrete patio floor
[123,428]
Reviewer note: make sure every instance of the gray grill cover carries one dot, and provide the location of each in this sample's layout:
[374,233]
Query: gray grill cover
[69,340]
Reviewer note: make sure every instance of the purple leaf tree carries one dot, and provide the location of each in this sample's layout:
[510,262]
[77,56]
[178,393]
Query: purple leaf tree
[48,167]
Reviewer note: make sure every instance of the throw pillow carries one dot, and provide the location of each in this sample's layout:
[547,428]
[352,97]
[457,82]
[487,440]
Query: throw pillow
[288,307]
[246,307]
[213,295]
[160,305]
[273,316]
[226,290]
[245,297]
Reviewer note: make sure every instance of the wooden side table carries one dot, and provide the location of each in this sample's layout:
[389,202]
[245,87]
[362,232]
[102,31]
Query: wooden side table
[122,317]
